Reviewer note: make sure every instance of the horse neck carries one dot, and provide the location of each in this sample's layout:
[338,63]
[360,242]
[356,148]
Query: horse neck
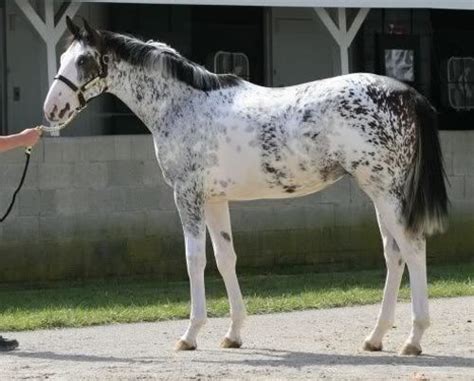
[146,92]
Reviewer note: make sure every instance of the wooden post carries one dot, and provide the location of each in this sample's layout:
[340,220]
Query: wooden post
[341,35]
[49,32]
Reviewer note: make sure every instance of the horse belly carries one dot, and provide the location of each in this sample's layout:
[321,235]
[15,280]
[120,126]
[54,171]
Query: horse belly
[240,176]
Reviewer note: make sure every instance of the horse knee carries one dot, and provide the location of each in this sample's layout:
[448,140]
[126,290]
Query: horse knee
[196,263]
[393,256]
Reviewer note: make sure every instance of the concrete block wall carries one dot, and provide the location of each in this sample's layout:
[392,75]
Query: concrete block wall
[97,207]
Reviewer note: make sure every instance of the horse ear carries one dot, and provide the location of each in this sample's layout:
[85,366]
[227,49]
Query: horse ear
[73,28]
[91,32]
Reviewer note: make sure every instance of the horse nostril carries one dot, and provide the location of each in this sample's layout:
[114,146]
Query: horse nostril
[51,115]
[64,110]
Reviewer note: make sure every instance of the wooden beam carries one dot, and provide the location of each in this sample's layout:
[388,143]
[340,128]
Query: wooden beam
[341,35]
[61,26]
[356,24]
[329,23]
[33,17]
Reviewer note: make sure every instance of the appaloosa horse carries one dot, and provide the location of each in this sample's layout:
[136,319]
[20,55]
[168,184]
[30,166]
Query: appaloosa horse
[219,138]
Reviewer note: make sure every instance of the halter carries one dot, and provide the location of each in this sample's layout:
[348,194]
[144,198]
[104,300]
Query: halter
[80,91]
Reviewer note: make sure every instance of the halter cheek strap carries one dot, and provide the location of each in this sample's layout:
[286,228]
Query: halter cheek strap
[79,91]
[74,88]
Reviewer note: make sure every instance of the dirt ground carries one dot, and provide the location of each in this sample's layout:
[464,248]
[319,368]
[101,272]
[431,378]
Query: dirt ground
[317,344]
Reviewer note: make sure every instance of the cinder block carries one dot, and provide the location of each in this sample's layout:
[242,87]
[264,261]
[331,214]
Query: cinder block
[48,203]
[31,179]
[354,214]
[93,224]
[22,228]
[462,142]
[71,150]
[72,201]
[37,154]
[126,224]
[123,173]
[461,210]
[123,147]
[469,183]
[318,216]
[55,176]
[456,191]
[90,175]
[463,163]
[109,199]
[152,174]
[162,223]
[339,192]
[308,200]
[97,149]
[260,204]
[10,174]
[446,141]
[282,218]
[357,195]
[57,227]
[13,157]
[143,148]
[29,202]
[150,198]
[448,163]
[53,153]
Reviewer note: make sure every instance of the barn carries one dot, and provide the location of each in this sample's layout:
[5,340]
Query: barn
[94,203]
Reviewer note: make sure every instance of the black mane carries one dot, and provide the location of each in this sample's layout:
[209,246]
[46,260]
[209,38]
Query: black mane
[155,54]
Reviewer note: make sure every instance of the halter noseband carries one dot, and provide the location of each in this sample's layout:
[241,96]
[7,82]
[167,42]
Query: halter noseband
[79,91]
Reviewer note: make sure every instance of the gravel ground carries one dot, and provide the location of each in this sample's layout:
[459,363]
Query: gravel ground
[317,344]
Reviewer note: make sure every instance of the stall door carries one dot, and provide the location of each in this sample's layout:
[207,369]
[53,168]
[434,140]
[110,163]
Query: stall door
[302,48]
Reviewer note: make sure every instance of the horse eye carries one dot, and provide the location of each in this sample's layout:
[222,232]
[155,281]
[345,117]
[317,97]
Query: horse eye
[81,61]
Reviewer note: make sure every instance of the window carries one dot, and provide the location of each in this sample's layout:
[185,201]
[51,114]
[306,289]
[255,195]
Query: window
[460,74]
[235,63]
[400,64]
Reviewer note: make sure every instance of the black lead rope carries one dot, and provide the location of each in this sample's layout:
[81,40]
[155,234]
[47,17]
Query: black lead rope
[25,169]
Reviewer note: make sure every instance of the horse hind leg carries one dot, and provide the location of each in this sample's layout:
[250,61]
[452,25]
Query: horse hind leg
[395,267]
[413,252]
[218,223]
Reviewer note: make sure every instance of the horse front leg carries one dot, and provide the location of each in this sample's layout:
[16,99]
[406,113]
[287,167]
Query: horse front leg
[191,211]
[218,223]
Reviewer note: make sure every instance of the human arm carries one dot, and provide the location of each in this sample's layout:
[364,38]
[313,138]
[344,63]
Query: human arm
[26,138]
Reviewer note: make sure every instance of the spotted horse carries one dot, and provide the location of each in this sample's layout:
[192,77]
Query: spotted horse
[219,138]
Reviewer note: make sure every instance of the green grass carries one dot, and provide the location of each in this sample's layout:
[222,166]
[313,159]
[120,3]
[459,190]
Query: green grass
[75,304]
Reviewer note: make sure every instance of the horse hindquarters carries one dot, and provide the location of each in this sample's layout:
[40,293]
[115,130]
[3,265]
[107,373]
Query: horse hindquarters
[407,217]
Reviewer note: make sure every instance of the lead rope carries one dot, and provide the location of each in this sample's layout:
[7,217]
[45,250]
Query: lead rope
[27,161]
[25,170]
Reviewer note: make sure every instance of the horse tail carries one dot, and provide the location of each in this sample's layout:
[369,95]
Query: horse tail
[425,209]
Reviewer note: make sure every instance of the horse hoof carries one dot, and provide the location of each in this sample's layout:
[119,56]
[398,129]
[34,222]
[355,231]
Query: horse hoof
[182,345]
[228,343]
[410,350]
[368,346]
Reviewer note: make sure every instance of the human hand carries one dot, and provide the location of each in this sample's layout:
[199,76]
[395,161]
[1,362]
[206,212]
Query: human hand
[29,137]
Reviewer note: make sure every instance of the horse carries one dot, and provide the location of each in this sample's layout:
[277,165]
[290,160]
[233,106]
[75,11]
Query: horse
[219,138]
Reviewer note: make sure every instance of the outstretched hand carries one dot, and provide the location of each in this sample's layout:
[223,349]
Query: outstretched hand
[29,137]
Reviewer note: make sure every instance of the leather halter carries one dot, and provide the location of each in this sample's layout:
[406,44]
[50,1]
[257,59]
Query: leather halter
[79,91]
